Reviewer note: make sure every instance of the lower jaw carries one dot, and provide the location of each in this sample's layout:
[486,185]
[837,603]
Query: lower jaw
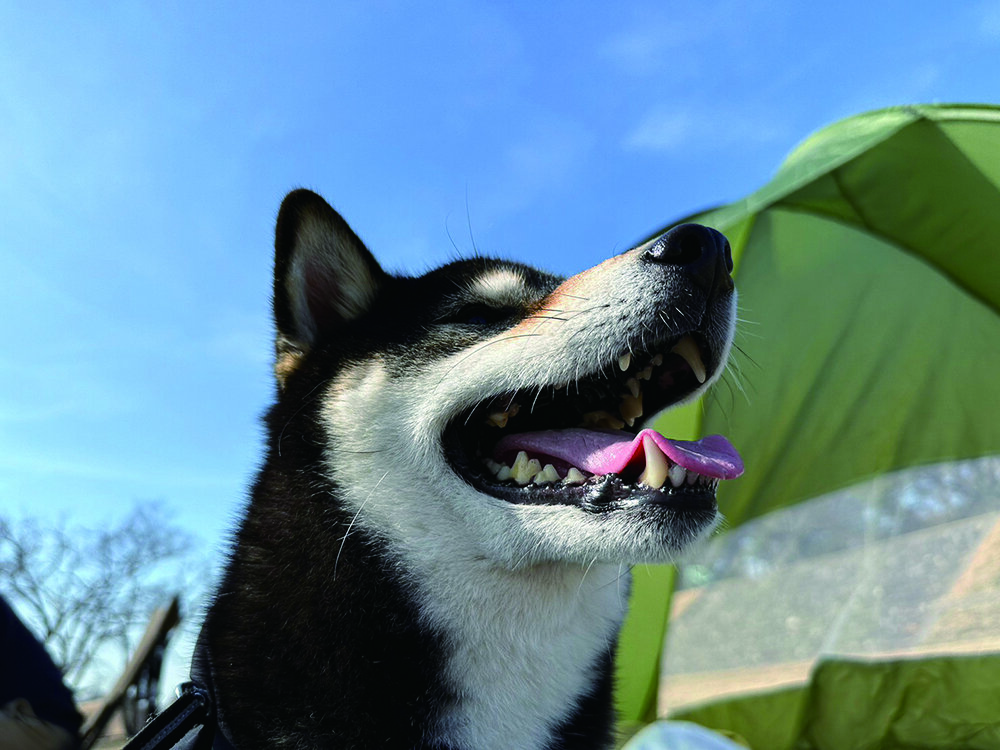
[605,494]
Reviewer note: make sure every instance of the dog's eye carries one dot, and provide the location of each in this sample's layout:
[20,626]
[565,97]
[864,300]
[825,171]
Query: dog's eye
[481,315]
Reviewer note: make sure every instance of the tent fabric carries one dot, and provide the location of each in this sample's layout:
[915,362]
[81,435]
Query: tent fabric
[926,704]
[869,279]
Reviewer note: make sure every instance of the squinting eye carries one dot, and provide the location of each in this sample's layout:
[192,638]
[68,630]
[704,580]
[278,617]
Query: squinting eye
[481,315]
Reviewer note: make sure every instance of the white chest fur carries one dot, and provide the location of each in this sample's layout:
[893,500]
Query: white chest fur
[523,646]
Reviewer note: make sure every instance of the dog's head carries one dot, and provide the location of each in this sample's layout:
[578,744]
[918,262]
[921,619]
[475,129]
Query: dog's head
[488,409]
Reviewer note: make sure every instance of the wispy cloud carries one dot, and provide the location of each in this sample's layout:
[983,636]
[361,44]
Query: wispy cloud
[549,154]
[647,47]
[680,41]
[668,130]
[662,130]
[544,159]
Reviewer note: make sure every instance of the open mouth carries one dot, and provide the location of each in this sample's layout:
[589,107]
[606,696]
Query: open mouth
[580,443]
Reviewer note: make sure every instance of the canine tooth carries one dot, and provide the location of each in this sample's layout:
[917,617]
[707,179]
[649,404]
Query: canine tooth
[657,466]
[634,388]
[631,408]
[657,360]
[574,476]
[692,355]
[624,361]
[602,420]
[677,475]
[548,475]
[498,419]
[645,373]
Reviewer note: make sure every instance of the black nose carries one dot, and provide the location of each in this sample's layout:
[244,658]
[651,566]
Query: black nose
[703,253]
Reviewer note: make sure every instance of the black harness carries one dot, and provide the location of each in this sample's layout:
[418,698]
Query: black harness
[192,721]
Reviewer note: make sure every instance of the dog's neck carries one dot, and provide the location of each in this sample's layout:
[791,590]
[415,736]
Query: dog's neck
[526,648]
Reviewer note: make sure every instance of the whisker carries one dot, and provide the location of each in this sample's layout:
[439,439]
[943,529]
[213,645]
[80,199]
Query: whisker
[485,345]
[468,221]
[584,577]
[350,526]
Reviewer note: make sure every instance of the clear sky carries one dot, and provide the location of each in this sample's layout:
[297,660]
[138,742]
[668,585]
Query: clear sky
[145,147]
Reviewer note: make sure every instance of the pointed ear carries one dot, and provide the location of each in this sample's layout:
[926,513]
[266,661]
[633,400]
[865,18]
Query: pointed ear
[324,276]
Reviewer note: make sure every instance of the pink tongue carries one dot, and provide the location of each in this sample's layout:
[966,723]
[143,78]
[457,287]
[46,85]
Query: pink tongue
[600,452]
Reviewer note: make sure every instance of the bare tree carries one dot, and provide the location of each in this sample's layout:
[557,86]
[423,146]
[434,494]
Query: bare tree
[87,591]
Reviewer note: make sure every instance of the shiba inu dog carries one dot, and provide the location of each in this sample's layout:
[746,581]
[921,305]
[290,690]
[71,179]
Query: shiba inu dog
[436,550]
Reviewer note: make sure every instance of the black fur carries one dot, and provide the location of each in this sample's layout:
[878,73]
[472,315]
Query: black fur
[316,660]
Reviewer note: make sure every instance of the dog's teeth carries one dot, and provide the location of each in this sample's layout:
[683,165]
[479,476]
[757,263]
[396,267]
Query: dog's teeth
[574,476]
[657,466]
[693,477]
[624,361]
[677,475]
[631,409]
[498,419]
[692,355]
[645,373]
[548,475]
[524,468]
[602,420]
[492,465]
[634,388]
[504,473]
[657,360]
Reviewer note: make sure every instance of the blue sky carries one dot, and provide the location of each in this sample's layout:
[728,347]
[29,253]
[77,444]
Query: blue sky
[145,147]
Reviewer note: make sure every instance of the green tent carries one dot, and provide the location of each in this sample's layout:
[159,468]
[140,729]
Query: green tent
[869,279]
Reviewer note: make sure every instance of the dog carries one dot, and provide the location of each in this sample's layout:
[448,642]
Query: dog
[436,550]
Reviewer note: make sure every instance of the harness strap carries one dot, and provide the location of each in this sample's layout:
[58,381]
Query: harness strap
[191,709]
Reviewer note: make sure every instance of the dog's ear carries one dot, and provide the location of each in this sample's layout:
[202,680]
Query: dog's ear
[323,277]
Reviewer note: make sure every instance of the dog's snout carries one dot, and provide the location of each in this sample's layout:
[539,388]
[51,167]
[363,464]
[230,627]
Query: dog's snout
[702,252]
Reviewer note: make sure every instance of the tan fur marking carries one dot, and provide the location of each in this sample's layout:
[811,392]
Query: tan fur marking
[285,365]
[287,358]
[569,297]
